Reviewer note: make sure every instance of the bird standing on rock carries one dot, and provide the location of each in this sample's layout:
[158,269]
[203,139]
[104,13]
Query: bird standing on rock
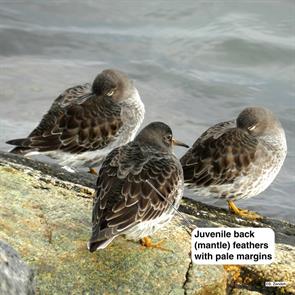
[139,186]
[87,121]
[237,159]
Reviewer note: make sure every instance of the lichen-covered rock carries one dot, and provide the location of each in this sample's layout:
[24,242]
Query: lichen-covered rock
[206,279]
[282,270]
[49,224]
[45,215]
[244,292]
[16,278]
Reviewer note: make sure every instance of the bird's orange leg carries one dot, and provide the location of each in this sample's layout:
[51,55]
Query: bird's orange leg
[243,213]
[92,171]
[147,242]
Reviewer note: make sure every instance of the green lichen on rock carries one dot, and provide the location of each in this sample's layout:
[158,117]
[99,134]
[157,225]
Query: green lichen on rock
[46,216]
[198,283]
[281,270]
[49,226]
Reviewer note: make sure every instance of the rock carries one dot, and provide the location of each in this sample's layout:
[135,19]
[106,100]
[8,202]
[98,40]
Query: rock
[48,221]
[244,292]
[16,278]
[206,279]
[282,270]
[46,212]
[210,216]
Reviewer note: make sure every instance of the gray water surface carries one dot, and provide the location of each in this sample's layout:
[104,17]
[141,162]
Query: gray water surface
[194,63]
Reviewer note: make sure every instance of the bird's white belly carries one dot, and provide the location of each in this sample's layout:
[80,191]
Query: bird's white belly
[89,158]
[85,159]
[246,186]
[261,183]
[147,228]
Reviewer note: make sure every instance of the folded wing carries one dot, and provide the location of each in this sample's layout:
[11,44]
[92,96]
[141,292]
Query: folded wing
[77,122]
[124,198]
[215,160]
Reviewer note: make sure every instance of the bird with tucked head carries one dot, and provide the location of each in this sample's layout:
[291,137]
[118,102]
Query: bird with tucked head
[237,159]
[87,121]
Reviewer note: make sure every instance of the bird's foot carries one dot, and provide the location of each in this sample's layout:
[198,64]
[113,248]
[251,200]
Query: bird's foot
[92,171]
[243,213]
[250,215]
[147,242]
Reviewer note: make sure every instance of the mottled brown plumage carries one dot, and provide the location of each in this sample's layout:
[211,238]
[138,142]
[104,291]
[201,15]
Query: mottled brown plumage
[76,128]
[236,159]
[86,118]
[125,203]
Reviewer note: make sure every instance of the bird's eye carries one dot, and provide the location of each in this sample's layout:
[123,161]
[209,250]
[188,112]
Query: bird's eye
[169,137]
[111,92]
[251,128]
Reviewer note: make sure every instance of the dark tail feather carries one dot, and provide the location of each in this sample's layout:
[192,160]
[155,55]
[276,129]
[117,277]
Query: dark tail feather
[18,142]
[20,148]
[95,245]
[20,151]
[92,246]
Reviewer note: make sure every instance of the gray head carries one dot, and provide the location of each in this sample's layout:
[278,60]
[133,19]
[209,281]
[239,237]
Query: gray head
[159,135]
[258,121]
[113,84]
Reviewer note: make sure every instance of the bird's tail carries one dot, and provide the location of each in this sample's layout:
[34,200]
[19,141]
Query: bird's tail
[20,148]
[97,245]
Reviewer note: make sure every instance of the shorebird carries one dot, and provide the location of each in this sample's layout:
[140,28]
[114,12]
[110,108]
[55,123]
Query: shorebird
[139,187]
[237,159]
[87,121]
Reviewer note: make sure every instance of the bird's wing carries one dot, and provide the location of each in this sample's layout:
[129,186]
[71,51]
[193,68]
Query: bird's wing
[77,94]
[75,128]
[124,198]
[219,156]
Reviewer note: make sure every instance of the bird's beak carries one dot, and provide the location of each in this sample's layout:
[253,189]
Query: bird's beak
[177,142]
